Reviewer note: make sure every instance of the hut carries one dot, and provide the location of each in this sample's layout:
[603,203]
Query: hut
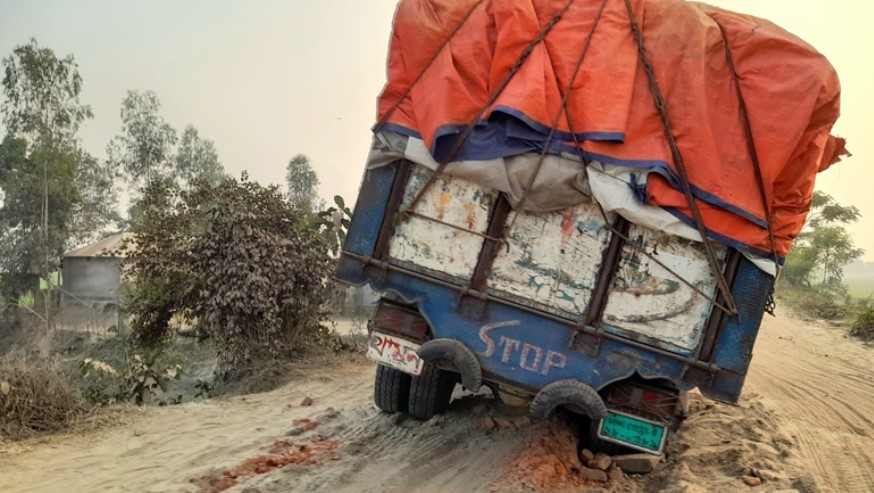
[91,275]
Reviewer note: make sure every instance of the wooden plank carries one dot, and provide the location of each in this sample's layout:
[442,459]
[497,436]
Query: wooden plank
[553,259]
[439,247]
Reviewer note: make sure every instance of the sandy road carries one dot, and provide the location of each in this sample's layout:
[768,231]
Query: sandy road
[163,448]
[821,385]
[809,396]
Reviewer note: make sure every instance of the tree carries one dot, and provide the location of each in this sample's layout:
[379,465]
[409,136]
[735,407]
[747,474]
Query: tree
[835,250]
[144,150]
[22,213]
[95,213]
[42,95]
[35,184]
[799,264]
[302,183]
[197,159]
[824,248]
[42,113]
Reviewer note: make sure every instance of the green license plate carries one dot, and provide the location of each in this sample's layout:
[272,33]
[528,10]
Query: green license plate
[632,431]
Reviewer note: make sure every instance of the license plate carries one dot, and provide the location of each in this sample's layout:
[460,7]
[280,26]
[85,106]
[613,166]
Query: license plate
[633,432]
[395,352]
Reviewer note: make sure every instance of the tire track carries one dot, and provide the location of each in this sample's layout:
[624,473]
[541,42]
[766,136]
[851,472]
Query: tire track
[816,379]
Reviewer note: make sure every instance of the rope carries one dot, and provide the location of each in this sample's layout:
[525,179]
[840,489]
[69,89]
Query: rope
[678,161]
[754,157]
[492,98]
[624,237]
[444,44]
[563,108]
[455,226]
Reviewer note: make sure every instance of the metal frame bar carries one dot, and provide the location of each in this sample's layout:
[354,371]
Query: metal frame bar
[573,324]
[494,238]
[395,198]
[718,319]
[609,266]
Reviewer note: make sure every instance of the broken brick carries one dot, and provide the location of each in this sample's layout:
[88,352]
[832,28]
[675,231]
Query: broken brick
[636,463]
[752,481]
[522,422]
[503,423]
[601,462]
[594,474]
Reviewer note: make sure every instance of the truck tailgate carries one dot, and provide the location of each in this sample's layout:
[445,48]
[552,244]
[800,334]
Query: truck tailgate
[551,262]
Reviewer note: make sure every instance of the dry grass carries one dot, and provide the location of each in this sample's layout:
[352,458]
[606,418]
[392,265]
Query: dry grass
[814,303]
[315,362]
[36,398]
[96,422]
[39,397]
[863,325]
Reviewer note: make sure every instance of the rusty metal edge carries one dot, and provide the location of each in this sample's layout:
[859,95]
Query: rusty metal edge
[607,271]
[496,229]
[395,198]
[718,319]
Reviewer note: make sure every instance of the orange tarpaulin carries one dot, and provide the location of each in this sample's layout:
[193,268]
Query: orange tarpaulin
[790,90]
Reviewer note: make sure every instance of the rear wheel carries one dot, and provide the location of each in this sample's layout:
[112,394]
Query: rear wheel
[431,391]
[391,390]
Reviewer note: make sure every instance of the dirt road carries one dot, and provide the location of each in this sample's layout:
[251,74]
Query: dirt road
[806,422]
[821,385]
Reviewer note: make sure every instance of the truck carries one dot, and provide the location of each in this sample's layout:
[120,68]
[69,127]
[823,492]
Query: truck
[561,312]
[611,304]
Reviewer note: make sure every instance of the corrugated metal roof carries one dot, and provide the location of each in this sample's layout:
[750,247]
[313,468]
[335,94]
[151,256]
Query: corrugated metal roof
[101,248]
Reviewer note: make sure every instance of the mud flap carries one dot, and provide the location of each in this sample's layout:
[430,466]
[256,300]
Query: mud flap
[462,357]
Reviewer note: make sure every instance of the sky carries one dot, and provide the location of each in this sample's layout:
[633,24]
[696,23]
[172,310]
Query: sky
[269,79]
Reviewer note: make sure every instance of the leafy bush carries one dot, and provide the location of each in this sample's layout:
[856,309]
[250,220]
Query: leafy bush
[145,377]
[140,383]
[235,260]
[863,325]
[818,303]
[336,221]
[205,389]
[36,398]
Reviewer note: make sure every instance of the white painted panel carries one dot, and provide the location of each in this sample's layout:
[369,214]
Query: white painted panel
[552,259]
[439,247]
[646,299]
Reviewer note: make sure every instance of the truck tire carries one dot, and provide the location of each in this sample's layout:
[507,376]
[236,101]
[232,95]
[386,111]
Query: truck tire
[391,390]
[431,391]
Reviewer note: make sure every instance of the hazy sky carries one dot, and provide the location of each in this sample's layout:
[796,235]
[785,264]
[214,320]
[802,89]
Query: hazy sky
[269,79]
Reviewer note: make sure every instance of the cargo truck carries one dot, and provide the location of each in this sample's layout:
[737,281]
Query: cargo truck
[561,310]
[581,214]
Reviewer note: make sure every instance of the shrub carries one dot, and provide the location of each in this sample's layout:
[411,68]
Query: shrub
[235,260]
[141,381]
[36,398]
[818,303]
[863,325]
[261,282]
